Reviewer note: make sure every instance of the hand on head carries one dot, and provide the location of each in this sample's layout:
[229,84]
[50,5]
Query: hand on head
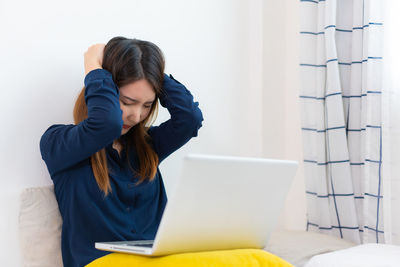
[93,57]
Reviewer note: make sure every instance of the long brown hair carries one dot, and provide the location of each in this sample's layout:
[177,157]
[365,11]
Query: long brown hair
[129,60]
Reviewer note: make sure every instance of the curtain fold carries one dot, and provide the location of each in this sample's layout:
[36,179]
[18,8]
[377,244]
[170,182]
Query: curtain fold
[340,97]
[391,123]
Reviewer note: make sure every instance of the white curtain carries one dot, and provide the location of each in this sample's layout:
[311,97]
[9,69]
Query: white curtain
[341,92]
[391,122]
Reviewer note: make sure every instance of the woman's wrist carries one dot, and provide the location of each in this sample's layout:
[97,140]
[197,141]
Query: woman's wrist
[91,67]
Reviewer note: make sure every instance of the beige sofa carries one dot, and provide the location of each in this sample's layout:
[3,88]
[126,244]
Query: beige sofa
[40,234]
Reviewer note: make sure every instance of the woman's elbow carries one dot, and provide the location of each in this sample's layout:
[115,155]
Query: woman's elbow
[197,121]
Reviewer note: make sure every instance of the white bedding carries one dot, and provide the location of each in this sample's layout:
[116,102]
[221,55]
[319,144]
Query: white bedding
[367,255]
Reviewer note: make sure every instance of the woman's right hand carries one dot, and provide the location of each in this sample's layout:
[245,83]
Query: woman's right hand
[94,57]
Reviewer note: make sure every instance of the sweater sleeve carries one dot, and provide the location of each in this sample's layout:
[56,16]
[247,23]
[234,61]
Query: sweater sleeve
[63,146]
[186,119]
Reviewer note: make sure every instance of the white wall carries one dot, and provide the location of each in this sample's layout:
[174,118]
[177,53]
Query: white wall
[213,47]
[281,116]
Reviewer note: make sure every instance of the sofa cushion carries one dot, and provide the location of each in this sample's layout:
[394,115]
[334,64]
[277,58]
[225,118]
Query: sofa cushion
[297,247]
[40,228]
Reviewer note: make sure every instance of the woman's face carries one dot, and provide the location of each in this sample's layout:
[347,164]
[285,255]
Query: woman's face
[135,100]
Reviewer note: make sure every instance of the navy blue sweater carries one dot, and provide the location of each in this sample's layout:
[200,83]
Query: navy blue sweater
[130,212]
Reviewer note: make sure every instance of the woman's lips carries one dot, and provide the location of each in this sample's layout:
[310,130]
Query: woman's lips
[126,126]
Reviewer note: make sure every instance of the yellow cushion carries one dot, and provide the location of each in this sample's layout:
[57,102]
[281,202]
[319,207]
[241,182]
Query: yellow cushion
[236,257]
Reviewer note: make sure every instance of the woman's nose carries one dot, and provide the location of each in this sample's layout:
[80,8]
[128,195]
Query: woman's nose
[134,116]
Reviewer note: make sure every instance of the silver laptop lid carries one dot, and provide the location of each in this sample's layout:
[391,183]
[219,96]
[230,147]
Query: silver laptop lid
[222,202]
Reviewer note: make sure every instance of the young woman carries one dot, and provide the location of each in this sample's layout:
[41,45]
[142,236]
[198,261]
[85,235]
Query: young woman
[105,166]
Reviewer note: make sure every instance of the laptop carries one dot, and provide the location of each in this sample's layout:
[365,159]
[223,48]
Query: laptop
[218,203]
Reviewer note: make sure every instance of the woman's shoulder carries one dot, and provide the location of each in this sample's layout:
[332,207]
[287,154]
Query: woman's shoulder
[53,129]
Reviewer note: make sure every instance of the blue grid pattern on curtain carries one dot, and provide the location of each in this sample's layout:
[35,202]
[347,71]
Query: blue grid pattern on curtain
[340,98]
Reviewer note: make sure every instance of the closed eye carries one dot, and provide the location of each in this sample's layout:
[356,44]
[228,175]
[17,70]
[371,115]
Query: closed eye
[126,104]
